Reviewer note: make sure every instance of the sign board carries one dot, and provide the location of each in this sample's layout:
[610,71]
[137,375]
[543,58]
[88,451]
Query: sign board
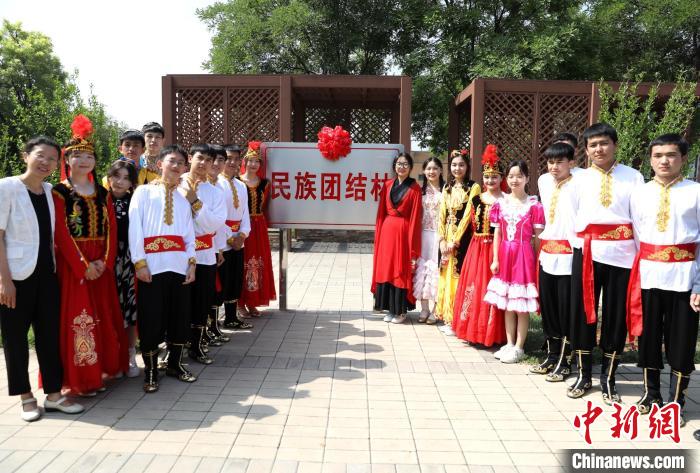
[310,191]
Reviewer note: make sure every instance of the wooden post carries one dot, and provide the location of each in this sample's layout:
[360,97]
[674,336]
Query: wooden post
[285,130]
[299,125]
[405,122]
[168,105]
[477,129]
[453,127]
[227,108]
[595,104]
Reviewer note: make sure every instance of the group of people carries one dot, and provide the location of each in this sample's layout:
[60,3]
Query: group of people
[599,243]
[147,254]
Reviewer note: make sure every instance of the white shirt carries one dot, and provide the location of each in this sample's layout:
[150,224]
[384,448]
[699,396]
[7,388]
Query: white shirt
[561,227]
[239,213]
[590,210]
[683,226]
[209,219]
[19,222]
[146,219]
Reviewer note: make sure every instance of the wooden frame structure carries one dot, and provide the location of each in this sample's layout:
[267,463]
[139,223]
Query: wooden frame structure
[523,116]
[241,108]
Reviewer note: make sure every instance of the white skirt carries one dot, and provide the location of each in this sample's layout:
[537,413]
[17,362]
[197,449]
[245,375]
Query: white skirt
[425,279]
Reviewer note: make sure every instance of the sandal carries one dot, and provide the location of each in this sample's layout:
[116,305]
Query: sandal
[424,314]
[431,320]
[254,312]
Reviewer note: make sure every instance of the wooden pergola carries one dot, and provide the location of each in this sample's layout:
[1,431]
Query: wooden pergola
[240,108]
[523,116]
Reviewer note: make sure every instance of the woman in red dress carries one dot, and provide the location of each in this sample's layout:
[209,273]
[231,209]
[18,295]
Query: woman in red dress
[397,242]
[93,340]
[258,278]
[474,320]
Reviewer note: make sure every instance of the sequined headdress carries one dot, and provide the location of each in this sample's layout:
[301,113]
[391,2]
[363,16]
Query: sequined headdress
[82,129]
[490,162]
[253,150]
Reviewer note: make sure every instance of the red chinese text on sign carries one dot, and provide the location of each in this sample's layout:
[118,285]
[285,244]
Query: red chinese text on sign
[330,186]
[306,186]
[280,185]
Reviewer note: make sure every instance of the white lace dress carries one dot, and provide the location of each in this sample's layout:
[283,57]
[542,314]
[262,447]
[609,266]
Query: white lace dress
[425,279]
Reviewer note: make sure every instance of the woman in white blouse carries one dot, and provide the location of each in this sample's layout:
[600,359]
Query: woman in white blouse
[29,292]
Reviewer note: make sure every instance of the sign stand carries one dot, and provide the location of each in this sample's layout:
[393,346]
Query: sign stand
[284,246]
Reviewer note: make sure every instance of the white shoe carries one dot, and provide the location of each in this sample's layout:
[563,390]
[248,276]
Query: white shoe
[133,371]
[514,355]
[503,350]
[447,330]
[34,414]
[58,406]
[399,319]
[388,318]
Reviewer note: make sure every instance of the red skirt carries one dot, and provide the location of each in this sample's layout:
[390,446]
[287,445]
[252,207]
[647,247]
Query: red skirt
[258,278]
[92,337]
[475,320]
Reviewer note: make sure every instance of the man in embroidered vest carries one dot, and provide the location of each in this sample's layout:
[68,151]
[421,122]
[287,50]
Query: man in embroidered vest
[604,251]
[161,239]
[209,216]
[558,198]
[664,292]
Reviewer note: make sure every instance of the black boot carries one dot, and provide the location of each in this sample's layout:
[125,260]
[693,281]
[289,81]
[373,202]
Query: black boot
[562,368]
[175,367]
[553,346]
[150,360]
[678,385]
[583,381]
[608,368]
[195,351]
[652,391]
[218,337]
[163,354]
[232,320]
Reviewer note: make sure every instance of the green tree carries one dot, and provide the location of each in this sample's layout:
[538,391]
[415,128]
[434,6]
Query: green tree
[38,97]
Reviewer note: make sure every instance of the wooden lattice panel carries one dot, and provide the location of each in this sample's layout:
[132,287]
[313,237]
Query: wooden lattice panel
[365,125]
[254,114]
[464,128]
[560,113]
[508,120]
[199,116]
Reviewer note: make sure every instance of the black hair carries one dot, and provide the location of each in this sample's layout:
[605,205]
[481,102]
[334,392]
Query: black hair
[217,150]
[99,197]
[408,157]
[133,135]
[41,140]
[451,182]
[172,149]
[520,164]
[152,127]
[670,139]
[438,162]
[201,148]
[130,170]
[559,150]
[232,147]
[566,136]
[599,129]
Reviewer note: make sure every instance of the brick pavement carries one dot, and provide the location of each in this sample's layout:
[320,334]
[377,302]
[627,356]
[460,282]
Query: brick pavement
[327,387]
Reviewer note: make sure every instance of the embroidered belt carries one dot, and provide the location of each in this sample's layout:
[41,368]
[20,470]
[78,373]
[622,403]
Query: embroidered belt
[204,242]
[556,247]
[163,243]
[601,232]
[234,225]
[680,253]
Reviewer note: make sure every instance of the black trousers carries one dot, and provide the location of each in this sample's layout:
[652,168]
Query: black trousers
[38,305]
[231,275]
[668,318]
[203,293]
[555,304]
[612,282]
[164,305]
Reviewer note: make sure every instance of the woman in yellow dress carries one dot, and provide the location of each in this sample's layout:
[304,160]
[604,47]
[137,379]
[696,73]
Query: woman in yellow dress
[454,233]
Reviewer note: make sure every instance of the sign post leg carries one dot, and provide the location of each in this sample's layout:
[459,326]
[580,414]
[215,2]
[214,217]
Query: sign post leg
[284,244]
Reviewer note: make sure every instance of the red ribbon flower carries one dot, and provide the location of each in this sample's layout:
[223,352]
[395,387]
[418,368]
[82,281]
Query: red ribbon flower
[334,143]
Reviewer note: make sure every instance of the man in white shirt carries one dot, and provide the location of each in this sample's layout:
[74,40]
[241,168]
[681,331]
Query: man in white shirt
[604,250]
[664,293]
[162,244]
[207,221]
[558,197]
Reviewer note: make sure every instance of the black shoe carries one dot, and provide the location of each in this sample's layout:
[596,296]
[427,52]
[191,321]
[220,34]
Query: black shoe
[195,352]
[150,382]
[552,345]
[678,385]
[608,370]
[175,368]
[583,382]
[652,391]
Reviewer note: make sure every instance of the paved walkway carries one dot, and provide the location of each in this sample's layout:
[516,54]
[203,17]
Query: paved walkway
[327,387]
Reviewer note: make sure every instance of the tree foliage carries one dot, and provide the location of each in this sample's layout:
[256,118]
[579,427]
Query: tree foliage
[445,44]
[38,97]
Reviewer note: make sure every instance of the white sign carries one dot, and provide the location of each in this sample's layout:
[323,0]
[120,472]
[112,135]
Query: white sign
[310,191]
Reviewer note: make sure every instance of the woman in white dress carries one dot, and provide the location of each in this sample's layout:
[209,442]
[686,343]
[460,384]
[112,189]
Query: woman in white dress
[425,280]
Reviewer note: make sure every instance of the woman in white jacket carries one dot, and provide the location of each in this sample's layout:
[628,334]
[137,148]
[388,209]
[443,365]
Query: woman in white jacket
[29,293]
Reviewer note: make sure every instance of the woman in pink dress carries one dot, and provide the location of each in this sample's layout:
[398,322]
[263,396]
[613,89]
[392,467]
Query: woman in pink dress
[517,218]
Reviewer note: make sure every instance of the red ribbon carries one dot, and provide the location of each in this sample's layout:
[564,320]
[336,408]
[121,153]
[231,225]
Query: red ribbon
[602,232]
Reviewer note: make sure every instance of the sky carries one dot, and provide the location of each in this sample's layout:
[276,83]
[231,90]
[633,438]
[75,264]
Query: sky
[121,47]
